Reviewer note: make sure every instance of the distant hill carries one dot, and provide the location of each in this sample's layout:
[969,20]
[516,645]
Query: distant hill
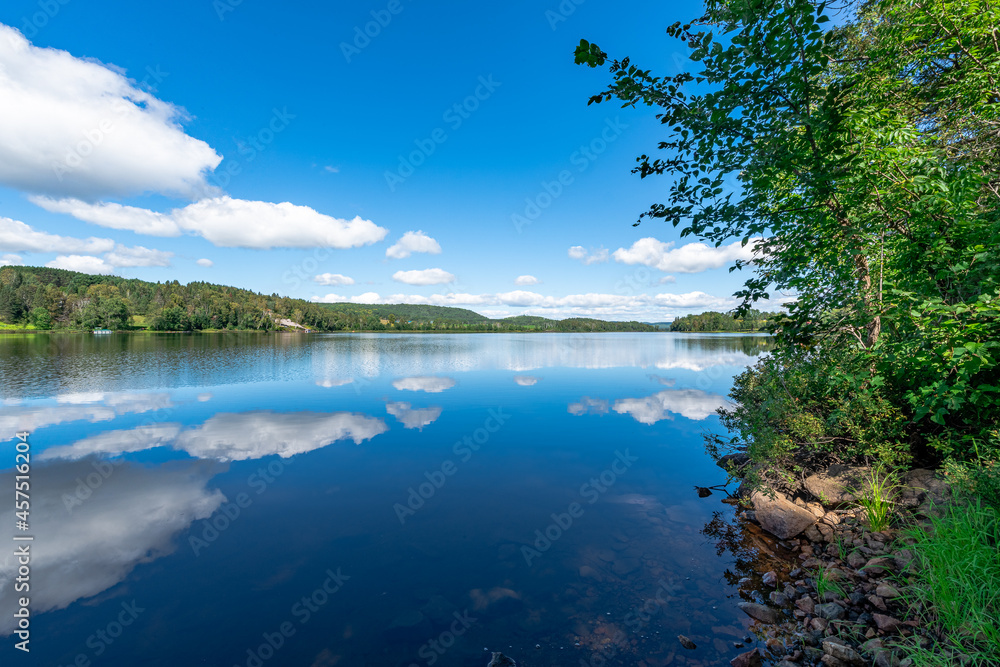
[42,298]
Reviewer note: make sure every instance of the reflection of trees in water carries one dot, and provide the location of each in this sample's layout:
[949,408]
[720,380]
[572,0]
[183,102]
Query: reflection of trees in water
[754,551]
[751,345]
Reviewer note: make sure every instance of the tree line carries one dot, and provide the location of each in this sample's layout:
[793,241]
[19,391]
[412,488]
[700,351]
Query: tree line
[751,320]
[45,298]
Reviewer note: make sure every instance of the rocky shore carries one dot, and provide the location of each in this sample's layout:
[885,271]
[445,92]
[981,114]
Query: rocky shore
[838,598]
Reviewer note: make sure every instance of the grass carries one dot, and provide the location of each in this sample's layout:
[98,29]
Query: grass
[825,584]
[877,500]
[958,578]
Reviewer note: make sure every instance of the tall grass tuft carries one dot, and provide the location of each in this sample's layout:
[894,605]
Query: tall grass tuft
[877,499]
[958,579]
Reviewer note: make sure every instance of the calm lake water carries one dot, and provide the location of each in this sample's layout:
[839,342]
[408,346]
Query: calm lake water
[341,500]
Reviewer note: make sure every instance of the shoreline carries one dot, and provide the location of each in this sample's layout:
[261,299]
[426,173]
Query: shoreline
[836,592]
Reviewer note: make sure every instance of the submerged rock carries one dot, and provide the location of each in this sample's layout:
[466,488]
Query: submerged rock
[759,612]
[500,660]
[779,516]
[686,643]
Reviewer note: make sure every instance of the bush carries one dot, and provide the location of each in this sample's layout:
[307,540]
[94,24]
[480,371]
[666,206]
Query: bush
[811,406]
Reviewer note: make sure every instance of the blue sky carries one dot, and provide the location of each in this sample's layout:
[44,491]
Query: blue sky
[370,151]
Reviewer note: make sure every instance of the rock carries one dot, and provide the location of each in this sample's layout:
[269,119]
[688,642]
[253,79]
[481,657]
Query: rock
[886,590]
[877,602]
[748,659]
[831,487]
[831,519]
[779,516]
[856,560]
[779,599]
[830,661]
[806,604]
[886,623]
[759,612]
[733,462]
[819,624]
[879,566]
[500,660]
[813,534]
[770,578]
[831,611]
[776,646]
[886,658]
[843,653]
[624,566]
[686,643]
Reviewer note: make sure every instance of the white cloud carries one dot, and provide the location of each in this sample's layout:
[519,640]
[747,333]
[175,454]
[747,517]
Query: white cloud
[430,384]
[131,518]
[589,406]
[230,223]
[412,242]
[331,169]
[75,407]
[665,280]
[593,257]
[333,382]
[526,280]
[526,380]
[689,258]
[74,126]
[16,236]
[694,300]
[11,260]
[207,263]
[81,263]
[116,442]
[411,417]
[253,435]
[137,256]
[424,277]
[333,279]
[691,403]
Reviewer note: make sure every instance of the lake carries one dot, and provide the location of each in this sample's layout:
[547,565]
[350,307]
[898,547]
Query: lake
[371,499]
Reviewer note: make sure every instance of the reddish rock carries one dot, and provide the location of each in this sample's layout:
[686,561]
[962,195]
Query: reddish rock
[877,602]
[770,578]
[748,659]
[806,604]
[886,623]
[780,516]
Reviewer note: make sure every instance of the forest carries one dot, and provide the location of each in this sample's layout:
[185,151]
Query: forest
[41,298]
[751,320]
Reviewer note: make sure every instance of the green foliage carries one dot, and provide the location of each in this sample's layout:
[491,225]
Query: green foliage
[797,404]
[958,578]
[861,162]
[752,320]
[40,318]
